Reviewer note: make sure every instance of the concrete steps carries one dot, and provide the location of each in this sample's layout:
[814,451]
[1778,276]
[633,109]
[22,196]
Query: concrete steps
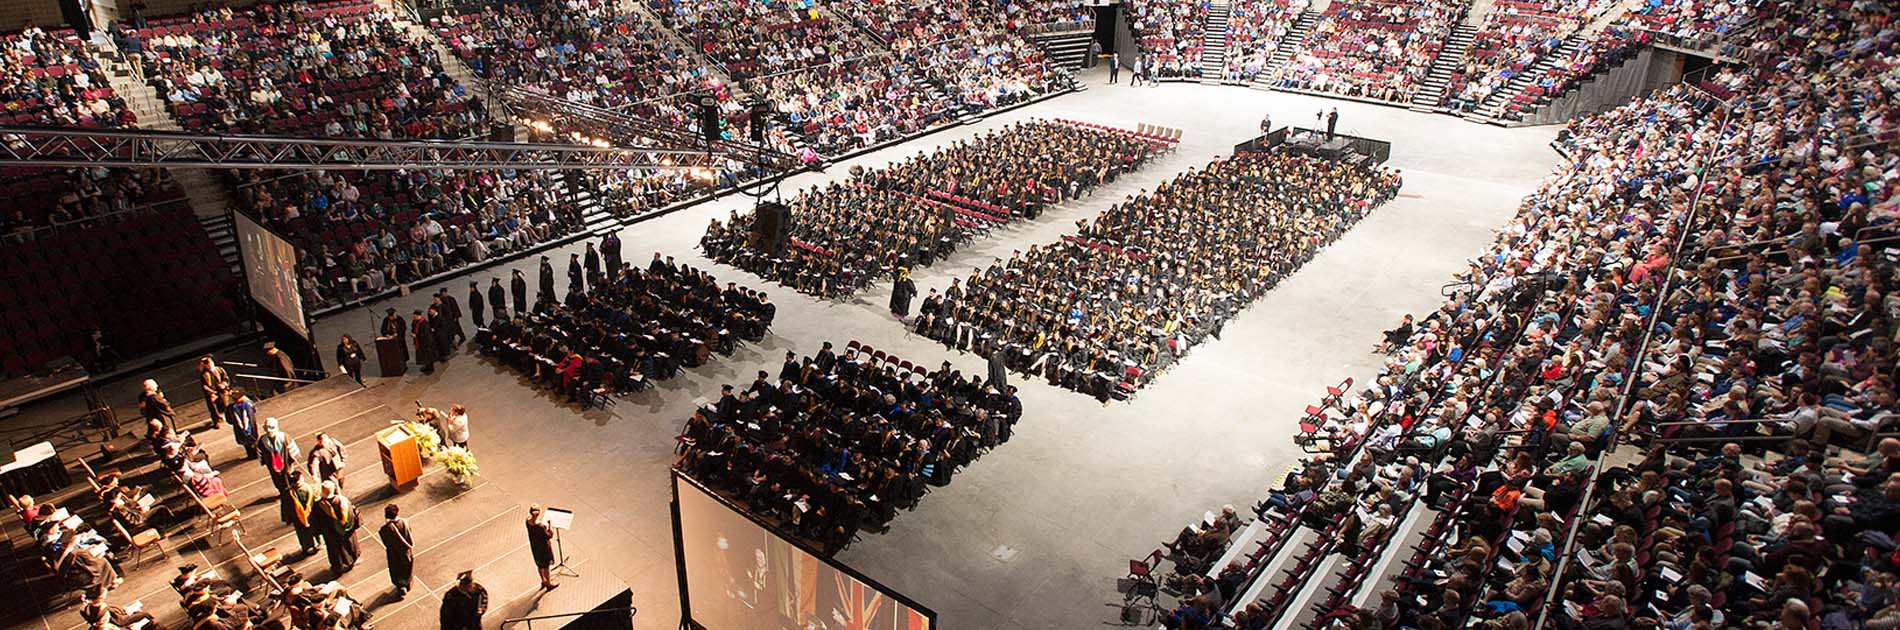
[1067,49]
[1214,41]
[210,197]
[1492,109]
[1431,91]
[1290,45]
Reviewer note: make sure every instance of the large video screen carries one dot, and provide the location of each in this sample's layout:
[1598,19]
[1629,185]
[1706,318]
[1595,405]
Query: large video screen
[739,575]
[270,265]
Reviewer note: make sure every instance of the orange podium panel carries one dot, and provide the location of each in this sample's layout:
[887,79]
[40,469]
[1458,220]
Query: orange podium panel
[402,460]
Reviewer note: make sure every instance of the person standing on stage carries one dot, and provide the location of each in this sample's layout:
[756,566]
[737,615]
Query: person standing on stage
[541,544]
[591,263]
[1332,122]
[336,522]
[349,358]
[153,406]
[464,604]
[400,547]
[243,414]
[279,454]
[285,369]
[301,497]
[216,384]
[452,313]
[425,341]
[474,304]
[393,327]
[455,428]
[327,460]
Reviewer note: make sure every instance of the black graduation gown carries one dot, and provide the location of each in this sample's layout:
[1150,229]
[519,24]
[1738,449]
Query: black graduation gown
[425,341]
[337,525]
[498,298]
[610,250]
[393,326]
[999,372]
[592,261]
[901,293]
[520,286]
[475,307]
[400,547]
[547,279]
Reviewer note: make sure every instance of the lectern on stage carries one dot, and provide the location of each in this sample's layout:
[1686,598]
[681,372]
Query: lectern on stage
[402,459]
[389,356]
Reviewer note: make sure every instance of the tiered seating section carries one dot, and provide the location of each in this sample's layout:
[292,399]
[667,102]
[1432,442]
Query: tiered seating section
[1515,34]
[912,214]
[52,79]
[609,55]
[1170,35]
[356,71]
[961,47]
[62,287]
[1704,321]
[1254,31]
[1374,49]
[1040,14]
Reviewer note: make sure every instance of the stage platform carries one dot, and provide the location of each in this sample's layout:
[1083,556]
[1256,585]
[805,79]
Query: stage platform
[456,527]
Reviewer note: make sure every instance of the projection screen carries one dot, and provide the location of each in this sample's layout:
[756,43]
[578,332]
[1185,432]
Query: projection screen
[270,267]
[737,574]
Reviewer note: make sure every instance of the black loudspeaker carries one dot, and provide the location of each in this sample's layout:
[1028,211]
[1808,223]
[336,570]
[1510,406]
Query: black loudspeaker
[768,226]
[709,118]
[761,114]
[501,132]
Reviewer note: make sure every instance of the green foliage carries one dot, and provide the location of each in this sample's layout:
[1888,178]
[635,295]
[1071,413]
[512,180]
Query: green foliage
[458,461]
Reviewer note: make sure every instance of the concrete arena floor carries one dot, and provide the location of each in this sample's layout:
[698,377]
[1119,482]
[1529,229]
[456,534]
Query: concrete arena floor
[1034,534]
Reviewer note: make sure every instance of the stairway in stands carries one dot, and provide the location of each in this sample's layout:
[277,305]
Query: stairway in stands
[1289,45]
[210,197]
[1431,92]
[1066,49]
[1492,109]
[1214,42]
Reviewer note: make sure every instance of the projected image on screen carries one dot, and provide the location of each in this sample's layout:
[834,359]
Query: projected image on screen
[739,576]
[270,263]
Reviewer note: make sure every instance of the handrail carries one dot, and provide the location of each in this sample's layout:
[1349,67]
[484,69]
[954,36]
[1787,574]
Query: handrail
[262,377]
[42,231]
[630,610]
[1624,398]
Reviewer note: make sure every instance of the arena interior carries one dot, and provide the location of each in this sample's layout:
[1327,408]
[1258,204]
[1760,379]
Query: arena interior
[972,314]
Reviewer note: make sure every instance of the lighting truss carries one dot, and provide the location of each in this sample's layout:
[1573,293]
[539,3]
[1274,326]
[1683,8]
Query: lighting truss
[70,147]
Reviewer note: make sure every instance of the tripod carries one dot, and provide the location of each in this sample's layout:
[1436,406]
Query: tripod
[560,559]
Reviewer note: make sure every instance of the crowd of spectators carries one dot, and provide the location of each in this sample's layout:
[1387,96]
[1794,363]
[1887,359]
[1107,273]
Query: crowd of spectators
[1170,35]
[53,79]
[362,233]
[961,47]
[835,443]
[617,330]
[1723,313]
[1104,310]
[844,235]
[1372,49]
[347,69]
[1254,31]
[1514,35]
[1023,15]
[609,55]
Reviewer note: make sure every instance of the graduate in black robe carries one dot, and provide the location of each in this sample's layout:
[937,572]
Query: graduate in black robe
[902,292]
[547,280]
[592,262]
[474,304]
[400,546]
[393,327]
[336,522]
[519,286]
[497,297]
[425,341]
[610,250]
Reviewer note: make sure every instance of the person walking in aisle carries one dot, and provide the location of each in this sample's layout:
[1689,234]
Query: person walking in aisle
[1114,67]
[216,384]
[475,304]
[337,523]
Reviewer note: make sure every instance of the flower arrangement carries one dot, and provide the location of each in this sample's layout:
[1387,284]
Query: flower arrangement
[427,439]
[459,462]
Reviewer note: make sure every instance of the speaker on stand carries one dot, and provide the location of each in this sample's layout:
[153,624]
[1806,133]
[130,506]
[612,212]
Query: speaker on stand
[768,227]
[709,119]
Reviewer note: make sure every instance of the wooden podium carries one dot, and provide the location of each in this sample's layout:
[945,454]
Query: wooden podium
[402,460]
[390,356]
